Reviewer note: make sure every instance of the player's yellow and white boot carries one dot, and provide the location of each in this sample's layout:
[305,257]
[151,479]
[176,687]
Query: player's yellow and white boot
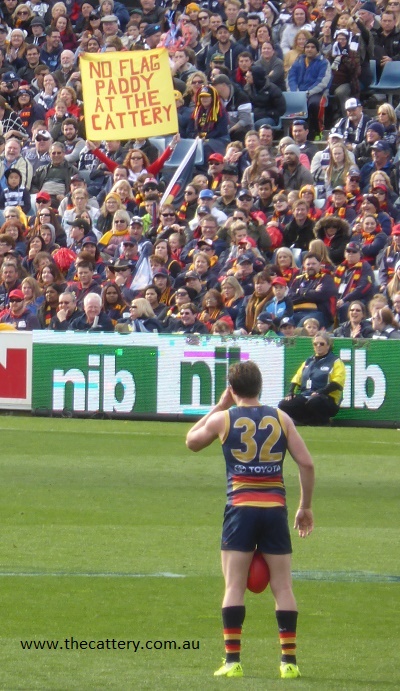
[229,669]
[289,671]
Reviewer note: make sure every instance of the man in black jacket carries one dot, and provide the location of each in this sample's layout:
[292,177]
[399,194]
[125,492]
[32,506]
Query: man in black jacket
[237,105]
[267,98]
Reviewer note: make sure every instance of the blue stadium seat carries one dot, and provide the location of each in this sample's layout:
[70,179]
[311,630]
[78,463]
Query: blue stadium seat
[296,106]
[389,82]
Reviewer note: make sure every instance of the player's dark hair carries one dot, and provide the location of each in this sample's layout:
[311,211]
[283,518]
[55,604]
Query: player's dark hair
[245,379]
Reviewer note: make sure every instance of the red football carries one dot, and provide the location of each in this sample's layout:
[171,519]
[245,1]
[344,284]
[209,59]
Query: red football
[258,577]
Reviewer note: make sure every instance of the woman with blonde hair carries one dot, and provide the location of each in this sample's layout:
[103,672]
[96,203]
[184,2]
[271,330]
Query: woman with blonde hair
[22,17]
[385,325]
[284,259]
[388,118]
[194,82]
[111,240]
[299,43]
[142,318]
[394,284]
[339,165]
[111,204]
[16,49]
[309,194]
[319,248]
[33,294]
[232,296]
[125,193]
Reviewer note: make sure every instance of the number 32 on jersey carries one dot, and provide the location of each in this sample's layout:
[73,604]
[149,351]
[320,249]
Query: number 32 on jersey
[255,442]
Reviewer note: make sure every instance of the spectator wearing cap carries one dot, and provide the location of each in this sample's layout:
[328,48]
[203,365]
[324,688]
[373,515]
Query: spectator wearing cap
[215,166]
[381,160]
[38,154]
[266,98]
[352,188]
[207,198]
[353,126]
[295,175]
[152,36]
[78,182]
[226,46]
[210,121]
[79,230]
[12,159]
[37,35]
[346,70]
[14,193]
[363,152]
[265,326]
[287,327]
[17,315]
[383,193]
[338,205]
[163,281]
[281,305]
[28,110]
[299,20]
[237,104]
[354,280]
[311,72]
[122,272]
[313,293]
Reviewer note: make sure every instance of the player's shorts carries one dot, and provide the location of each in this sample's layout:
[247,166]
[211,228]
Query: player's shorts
[246,528]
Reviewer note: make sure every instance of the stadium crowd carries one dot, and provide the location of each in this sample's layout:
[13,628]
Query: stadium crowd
[276,234]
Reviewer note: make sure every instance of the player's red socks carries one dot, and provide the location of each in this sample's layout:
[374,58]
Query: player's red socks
[232,619]
[287,624]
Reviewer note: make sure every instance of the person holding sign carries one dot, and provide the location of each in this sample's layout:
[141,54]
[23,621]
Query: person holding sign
[136,160]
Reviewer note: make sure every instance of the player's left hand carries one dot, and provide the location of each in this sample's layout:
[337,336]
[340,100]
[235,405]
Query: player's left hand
[304,522]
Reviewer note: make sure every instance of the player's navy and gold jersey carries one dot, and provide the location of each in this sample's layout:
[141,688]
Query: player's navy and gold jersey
[254,447]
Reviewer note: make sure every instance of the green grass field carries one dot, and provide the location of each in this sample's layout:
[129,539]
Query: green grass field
[95,513]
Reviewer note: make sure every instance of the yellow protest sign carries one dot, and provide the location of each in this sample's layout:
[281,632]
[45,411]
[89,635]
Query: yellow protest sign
[128,94]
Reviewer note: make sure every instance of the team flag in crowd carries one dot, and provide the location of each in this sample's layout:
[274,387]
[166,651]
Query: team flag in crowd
[176,189]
